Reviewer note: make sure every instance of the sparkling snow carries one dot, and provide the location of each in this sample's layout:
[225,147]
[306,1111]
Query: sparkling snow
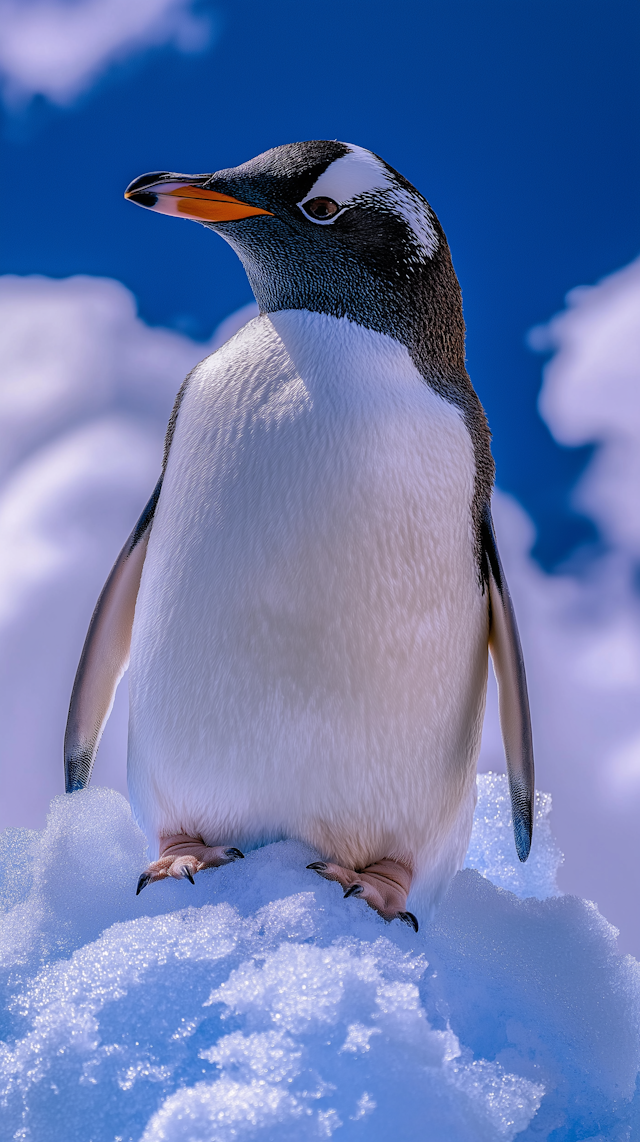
[260,1005]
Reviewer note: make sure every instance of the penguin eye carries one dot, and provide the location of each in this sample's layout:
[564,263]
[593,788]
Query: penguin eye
[321,208]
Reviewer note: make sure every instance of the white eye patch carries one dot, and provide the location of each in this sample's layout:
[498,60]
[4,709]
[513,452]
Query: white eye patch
[353,174]
[358,177]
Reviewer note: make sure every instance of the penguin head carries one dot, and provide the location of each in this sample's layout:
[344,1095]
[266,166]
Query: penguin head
[331,228]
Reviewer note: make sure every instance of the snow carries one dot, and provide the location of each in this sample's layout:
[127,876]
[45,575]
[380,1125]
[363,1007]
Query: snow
[261,1005]
[491,849]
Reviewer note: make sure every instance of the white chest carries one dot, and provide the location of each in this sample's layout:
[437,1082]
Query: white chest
[325,432]
[309,610]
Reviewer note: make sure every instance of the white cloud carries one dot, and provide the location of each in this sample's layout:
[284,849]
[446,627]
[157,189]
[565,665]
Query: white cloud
[49,506]
[72,349]
[59,48]
[590,394]
[581,636]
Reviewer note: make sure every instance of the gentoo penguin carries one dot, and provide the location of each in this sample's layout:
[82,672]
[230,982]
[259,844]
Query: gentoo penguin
[308,597]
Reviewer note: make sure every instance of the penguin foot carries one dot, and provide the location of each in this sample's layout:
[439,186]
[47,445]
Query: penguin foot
[384,885]
[182,857]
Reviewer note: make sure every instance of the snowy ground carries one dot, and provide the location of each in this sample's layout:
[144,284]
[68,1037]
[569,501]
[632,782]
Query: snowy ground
[260,1005]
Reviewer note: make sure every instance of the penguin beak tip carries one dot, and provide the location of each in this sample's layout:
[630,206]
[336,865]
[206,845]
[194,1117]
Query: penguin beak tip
[188,196]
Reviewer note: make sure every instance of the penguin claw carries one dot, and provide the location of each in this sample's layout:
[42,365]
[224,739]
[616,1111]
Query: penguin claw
[182,857]
[355,890]
[384,886]
[408,918]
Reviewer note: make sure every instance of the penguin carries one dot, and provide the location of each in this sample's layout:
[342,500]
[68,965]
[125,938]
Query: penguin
[308,599]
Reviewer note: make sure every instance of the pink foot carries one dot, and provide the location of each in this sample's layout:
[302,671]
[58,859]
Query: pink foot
[184,856]
[384,885]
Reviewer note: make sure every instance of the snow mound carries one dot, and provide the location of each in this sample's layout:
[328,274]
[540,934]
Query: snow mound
[261,1005]
[491,849]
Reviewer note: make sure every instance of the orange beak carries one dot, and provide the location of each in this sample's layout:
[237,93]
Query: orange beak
[186,197]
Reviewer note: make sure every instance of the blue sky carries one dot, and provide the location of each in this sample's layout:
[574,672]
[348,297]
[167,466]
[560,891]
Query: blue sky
[518,120]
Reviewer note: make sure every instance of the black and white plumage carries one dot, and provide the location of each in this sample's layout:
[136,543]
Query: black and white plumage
[321,580]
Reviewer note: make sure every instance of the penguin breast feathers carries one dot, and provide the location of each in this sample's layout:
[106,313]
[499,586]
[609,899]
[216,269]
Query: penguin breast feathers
[310,593]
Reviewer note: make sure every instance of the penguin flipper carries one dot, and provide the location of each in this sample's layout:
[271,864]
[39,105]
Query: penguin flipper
[513,701]
[105,655]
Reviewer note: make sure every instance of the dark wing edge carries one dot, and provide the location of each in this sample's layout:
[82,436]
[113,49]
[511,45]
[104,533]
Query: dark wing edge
[513,700]
[105,655]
